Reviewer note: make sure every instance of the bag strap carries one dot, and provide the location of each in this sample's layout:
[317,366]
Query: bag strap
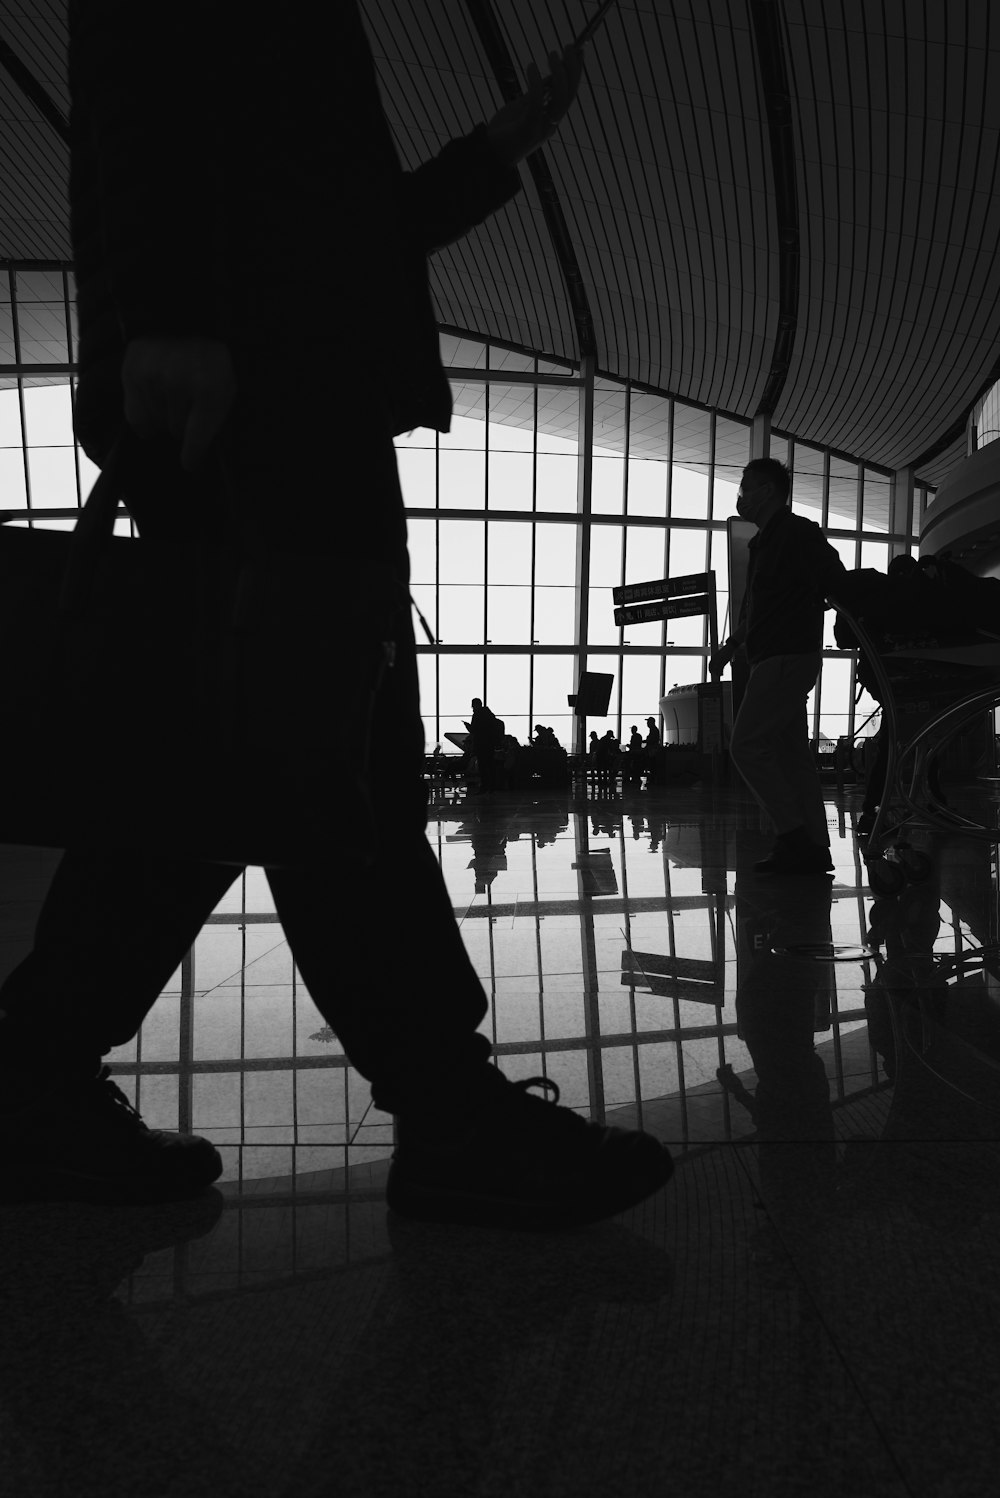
[95,525]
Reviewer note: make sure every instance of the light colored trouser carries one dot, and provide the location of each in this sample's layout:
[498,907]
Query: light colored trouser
[770,744]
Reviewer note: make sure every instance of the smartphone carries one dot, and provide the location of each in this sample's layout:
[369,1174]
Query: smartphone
[581,40]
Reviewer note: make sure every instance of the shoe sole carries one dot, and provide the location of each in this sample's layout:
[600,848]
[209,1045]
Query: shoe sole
[426,1202]
[40,1183]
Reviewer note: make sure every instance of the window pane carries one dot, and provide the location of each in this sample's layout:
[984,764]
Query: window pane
[6,324]
[687,551]
[468,422]
[555,553]
[503,358]
[807,481]
[689,495]
[606,556]
[10,417]
[688,630]
[511,416]
[609,415]
[416,466]
[556,477]
[419,437]
[720,566]
[644,548]
[48,416]
[509,552]
[602,629]
[12,485]
[461,680]
[647,487]
[424,596]
[507,692]
[427,680]
[843,494]
[52,472]
[875,512]
[554,681]
[511,480]
[732,453]
[465,353]
[461,479]
[462,551]
[555,615]
[607,482]
[835,698]
[40,309]
[640,692]
[649,426]
[421,545]
[508,618]
[875,554]
[558,420]
[461,618]
[846,550]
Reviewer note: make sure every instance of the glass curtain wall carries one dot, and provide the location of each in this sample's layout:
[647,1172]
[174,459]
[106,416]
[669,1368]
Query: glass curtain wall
[493,517]
[235,1048]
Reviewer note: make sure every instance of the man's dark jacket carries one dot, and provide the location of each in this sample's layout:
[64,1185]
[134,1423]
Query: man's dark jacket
[791,572]
[233,176]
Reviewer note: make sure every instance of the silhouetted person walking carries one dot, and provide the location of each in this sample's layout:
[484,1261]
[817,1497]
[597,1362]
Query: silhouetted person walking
[212,153]
[792,569]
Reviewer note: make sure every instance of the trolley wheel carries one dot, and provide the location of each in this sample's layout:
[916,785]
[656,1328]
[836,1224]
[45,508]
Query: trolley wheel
[916,866]
[885,879]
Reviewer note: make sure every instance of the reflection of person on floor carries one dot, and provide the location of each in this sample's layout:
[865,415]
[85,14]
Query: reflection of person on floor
[783,1000]
[791,570]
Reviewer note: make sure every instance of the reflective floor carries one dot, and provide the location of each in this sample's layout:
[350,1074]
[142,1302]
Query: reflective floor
[810,1306]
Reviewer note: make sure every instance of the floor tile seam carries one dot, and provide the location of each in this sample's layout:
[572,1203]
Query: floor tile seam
[828,1331]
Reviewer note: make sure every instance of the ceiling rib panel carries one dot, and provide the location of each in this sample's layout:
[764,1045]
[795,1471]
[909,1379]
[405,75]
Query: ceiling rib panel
[663,174]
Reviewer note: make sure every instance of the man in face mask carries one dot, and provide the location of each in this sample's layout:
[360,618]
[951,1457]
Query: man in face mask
[792,570]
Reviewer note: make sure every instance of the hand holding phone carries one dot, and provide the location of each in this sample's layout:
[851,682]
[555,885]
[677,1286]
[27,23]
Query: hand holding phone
[524,124]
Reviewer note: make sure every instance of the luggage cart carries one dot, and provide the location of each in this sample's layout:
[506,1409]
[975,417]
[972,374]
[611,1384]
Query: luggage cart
[928,696]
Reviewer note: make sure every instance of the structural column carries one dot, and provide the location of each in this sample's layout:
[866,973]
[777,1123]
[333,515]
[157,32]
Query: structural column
[901,501]
[584,489]
[760,436]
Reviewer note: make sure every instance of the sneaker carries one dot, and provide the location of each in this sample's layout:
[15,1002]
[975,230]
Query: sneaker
[84,1141]
[524,1163]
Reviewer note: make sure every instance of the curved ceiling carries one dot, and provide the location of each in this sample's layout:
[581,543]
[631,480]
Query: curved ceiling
[786,206]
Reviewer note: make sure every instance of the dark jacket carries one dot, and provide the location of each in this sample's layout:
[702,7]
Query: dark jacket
[485,728]
[792,569]
[237,179]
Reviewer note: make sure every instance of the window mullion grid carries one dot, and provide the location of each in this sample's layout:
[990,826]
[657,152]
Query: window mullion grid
[668,499]
[15,322]
[437,583]
[621,627]
[708,533]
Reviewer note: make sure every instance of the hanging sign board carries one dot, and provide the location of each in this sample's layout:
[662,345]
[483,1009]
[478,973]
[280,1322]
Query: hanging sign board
[677,608]
[666,587]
